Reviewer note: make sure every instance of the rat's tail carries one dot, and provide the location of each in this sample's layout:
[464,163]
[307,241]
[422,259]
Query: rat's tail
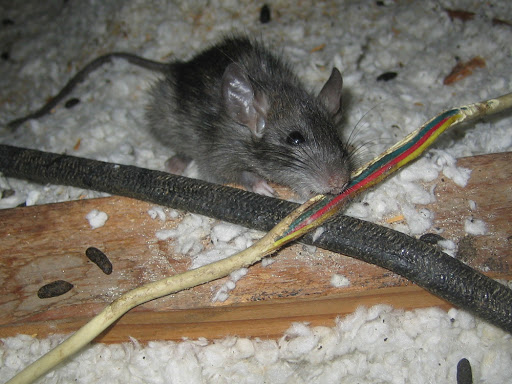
[81,75]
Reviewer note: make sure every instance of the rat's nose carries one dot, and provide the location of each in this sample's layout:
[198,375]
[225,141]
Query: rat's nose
[338,181]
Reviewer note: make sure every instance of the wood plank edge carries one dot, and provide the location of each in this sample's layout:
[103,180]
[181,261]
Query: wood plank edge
[262,320]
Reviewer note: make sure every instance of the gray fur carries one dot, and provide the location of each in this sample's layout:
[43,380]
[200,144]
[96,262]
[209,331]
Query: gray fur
[234,120]
[231,109]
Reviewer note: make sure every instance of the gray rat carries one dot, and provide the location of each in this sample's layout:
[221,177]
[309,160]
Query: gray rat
[244,117]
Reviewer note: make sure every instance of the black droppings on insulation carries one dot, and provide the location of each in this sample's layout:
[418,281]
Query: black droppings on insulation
[71,102]
[386,76]
[265,16]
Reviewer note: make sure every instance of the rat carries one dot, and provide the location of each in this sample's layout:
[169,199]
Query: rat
[243,116]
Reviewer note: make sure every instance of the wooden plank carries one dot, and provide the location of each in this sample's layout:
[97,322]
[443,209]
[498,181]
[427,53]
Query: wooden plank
[45,243]
[264,319]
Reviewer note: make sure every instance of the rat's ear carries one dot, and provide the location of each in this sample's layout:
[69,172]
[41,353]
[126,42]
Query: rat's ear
[242,103]
[330,95]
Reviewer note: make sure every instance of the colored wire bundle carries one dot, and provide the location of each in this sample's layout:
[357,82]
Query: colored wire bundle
[388,162]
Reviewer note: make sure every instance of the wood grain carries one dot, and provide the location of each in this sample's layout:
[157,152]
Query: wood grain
[45,243]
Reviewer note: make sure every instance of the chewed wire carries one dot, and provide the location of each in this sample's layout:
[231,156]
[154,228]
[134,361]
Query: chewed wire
[387,163]
[309,215]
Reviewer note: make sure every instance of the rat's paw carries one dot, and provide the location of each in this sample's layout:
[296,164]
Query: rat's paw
[263,188]
[256,184]
[177,164]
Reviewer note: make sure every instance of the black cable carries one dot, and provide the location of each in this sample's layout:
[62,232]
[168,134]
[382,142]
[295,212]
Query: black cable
[415,260]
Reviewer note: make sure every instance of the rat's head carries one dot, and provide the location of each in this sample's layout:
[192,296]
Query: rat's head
[293,136]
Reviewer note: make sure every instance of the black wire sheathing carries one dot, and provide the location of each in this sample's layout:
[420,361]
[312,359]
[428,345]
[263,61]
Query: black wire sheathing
[415,260]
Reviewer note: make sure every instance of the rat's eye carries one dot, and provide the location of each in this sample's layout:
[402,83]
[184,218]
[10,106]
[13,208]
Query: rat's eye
[295,138]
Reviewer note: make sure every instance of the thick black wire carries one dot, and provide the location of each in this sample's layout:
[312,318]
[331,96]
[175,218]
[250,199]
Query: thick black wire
[415,260]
